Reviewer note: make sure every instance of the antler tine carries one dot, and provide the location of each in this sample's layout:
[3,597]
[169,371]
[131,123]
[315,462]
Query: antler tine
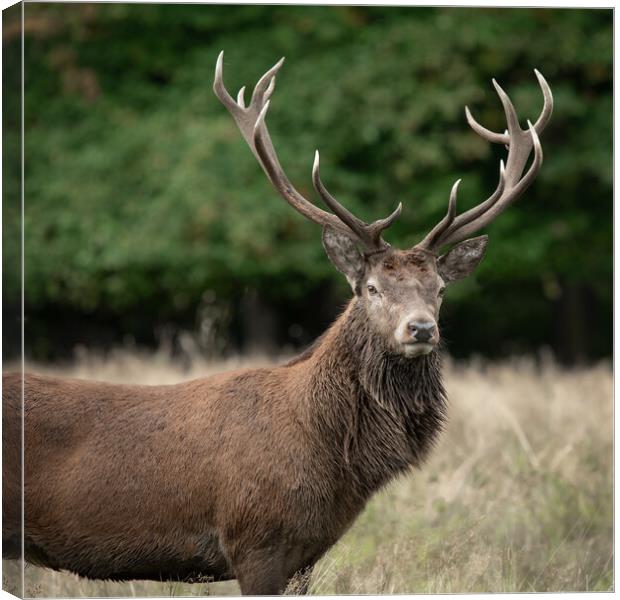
[251,122]
[346,216]
[477,211]
[431,239]
[512,182]
[511,114]
[220,89]
[511,119]
[483,132]
[547,110]
[370,234]
[240,98]
[264,88]
[379,226]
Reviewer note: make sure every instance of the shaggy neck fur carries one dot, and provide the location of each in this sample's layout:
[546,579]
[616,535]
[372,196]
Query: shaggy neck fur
[384,410]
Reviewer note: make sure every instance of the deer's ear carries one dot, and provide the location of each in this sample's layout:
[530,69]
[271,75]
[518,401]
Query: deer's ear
[345,256]
[461,260]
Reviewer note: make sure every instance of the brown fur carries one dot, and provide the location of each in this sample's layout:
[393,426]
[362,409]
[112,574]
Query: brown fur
[252,474]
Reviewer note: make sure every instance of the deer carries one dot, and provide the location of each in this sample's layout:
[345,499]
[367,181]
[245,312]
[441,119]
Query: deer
[255,474]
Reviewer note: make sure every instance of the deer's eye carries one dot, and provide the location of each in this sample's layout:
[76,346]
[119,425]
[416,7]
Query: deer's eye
[442,289]
[372,290]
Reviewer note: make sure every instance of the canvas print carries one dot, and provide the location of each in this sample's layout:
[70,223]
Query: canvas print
[306,300]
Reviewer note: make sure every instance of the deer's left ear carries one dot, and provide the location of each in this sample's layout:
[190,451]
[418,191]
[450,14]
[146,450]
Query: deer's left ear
[461,260]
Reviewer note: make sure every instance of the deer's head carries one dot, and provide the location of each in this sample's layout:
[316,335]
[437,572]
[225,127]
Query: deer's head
[400,290]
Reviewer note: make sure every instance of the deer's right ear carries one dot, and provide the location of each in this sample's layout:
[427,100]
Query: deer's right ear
[345,256]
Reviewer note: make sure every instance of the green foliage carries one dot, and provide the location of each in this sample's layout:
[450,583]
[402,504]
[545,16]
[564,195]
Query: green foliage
[140,193]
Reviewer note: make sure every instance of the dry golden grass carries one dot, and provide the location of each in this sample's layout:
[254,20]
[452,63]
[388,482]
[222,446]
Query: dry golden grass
[516,497]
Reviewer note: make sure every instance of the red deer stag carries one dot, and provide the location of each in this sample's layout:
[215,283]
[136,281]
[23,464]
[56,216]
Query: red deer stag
[256,473]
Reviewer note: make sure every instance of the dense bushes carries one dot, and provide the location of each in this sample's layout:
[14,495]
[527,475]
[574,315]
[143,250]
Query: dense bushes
[141,196]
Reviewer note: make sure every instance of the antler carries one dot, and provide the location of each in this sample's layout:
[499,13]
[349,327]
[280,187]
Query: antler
[251,123]
[512,182]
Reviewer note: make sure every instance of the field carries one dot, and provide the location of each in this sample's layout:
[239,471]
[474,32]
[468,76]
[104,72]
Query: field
[516,497]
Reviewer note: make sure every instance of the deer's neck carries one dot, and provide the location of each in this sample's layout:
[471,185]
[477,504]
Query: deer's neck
[384,411]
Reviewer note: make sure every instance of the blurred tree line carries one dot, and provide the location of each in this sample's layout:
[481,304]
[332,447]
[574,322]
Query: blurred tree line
[147,215]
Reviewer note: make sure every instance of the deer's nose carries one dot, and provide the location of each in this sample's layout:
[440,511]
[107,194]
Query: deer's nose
[421,331]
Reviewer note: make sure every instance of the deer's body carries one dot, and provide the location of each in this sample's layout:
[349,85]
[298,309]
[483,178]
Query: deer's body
[255,474]
[202,477]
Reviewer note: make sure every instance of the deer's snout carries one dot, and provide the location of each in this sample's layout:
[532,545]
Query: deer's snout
[417,334]
[421,331]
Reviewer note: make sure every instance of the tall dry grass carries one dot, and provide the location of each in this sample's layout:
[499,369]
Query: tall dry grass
[516,497]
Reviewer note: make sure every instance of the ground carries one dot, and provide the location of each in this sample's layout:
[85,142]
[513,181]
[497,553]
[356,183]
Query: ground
[517,496]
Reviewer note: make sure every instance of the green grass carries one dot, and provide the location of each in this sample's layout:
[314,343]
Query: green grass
[517,496]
